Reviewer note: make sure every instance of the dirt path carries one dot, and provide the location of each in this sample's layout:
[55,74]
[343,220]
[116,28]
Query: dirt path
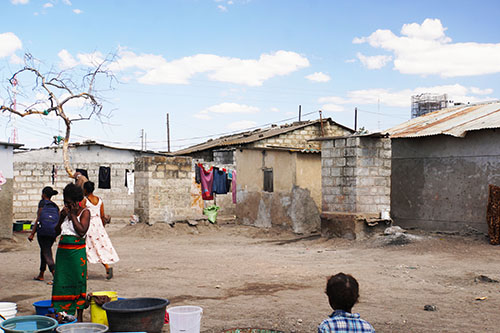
[248,277]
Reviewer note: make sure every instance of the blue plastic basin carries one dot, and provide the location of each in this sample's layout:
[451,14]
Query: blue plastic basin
[42,307]
[29,324]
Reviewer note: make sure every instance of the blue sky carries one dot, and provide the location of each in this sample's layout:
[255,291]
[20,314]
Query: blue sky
[222,66]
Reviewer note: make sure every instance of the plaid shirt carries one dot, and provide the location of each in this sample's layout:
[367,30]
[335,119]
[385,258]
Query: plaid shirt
[345,322]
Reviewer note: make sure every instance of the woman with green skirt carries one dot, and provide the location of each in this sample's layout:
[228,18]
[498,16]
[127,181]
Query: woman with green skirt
[69,290]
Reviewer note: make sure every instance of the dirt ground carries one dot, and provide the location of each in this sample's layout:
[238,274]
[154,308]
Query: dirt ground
[249,277]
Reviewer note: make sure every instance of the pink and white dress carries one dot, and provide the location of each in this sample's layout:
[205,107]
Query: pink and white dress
[99,247]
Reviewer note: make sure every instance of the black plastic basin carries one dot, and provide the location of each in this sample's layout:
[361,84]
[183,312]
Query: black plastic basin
[136,314]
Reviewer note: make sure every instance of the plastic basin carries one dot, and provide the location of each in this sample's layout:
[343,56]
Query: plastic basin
[136,314]
[186,318]
[29,324]
[42,307]
[82,328]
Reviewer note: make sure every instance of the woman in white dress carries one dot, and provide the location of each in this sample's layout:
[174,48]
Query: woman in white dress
[99,247]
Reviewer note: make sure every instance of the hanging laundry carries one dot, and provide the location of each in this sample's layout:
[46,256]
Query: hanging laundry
[83,172]
[130,181]
[219,186]
[197,174]
[54,174]
[228,182]
[207,179]
[104,177]
[233,186]
[2,180]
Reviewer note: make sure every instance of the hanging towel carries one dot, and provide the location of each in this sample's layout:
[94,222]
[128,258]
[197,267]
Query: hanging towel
[233,186]
[104,177]
[207,179]
[54,174]
[197,174]
[220,185]
[130,181]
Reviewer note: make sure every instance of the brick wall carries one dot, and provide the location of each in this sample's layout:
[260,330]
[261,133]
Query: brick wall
[356,175]
[31,177]
[163,189]
[299,138]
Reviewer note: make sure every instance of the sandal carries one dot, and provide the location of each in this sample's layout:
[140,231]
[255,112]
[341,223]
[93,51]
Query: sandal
[109,273]
[37,278]
[50,283]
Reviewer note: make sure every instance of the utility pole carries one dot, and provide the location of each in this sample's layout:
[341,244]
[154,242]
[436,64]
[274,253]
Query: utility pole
[168,133]
[355,119]
[145,141]
[142,139]
[300,112]
[321,121]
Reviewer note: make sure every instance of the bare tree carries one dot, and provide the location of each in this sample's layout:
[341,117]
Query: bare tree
[59,91]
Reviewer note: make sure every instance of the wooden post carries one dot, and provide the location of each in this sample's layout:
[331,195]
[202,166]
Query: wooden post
[168,133]
[321,121]
[300,112]
[355,119]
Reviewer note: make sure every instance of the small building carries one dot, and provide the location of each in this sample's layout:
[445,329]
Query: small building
[278,172]
[6,187]
[442,164]
[36,168]
[356,184]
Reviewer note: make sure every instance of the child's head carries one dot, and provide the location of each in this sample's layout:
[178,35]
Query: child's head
[48,192]
[343,291]
[88,188]
[72,194]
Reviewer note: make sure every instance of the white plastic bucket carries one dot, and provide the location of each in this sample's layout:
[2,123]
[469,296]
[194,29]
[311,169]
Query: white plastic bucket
[8,310]
[185,319]
[8,306]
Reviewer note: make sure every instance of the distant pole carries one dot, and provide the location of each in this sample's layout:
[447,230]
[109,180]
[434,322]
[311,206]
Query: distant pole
[168,133]
[300,112]
[355,119]
[321,121]
[142,139]
[145,141]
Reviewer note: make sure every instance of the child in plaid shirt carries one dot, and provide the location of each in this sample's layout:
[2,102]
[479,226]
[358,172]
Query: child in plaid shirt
[343,292]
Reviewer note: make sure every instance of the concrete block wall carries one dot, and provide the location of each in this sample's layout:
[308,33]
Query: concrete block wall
[299,138]
[31,177]
[162,189]
[356,175]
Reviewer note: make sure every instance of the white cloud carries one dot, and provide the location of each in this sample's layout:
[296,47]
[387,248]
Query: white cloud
[332,108]
[274,109]
[424,49]
[9,44]
[19,2]
[402,98]
[222,8]
[241,125]
[318,77]
[202,115]
[48,5]
[232,108]
[67,60]
[67,2]
[478,91]
[373,62]
[251,72]
[77,11]
[16,59]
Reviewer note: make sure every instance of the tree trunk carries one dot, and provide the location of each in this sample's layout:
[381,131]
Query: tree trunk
[66,151]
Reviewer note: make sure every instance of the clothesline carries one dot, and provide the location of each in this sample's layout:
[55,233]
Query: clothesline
[215,181]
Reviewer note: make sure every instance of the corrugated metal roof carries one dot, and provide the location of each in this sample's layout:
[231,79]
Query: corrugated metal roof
[251,136]
[455,121]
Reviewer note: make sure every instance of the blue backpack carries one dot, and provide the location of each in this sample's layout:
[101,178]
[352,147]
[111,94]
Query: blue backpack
[48,219]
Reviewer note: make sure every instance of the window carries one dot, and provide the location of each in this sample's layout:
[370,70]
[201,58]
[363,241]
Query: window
[268,180]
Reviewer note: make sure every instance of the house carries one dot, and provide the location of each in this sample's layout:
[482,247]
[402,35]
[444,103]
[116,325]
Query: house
[36,168]
[278,172]
[442,164]
[6,187]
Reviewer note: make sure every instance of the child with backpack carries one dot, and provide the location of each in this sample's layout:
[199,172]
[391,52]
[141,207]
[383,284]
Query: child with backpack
[46,221]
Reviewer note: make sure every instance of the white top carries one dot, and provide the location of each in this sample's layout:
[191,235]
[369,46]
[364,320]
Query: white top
[67,226]
[95,210]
